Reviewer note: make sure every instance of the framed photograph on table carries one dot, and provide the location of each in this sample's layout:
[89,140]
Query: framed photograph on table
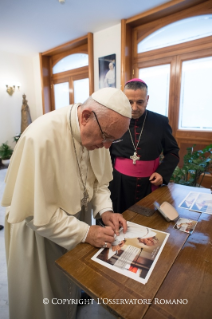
[107,71]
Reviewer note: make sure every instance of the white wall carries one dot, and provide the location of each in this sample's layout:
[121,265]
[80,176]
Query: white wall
[26,71]
[106,42]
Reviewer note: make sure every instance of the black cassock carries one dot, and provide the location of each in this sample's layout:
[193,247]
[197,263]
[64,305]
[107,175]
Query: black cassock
[156,138]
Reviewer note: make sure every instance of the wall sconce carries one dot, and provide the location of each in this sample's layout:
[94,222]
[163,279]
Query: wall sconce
[11,89]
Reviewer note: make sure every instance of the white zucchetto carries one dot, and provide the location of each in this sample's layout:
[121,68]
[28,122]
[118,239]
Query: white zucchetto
[113,99]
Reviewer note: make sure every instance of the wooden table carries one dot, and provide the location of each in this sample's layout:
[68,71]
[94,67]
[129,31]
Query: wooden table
[183,272]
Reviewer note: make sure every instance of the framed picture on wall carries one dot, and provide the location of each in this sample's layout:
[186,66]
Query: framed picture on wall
[107,71]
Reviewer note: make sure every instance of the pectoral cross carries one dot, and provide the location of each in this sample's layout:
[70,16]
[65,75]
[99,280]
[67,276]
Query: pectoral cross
[134,157]
[84,201]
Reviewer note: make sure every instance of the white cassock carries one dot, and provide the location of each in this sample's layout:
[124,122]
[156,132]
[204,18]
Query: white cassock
[110,77]
[42,194]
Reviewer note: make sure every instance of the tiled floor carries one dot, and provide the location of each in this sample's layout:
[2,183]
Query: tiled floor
[93,311]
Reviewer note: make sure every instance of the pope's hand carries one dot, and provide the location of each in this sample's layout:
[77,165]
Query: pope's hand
[115,221]
[99,236]
[156,179]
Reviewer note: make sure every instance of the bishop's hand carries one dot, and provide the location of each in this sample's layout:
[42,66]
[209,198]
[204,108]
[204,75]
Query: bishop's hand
[156,179]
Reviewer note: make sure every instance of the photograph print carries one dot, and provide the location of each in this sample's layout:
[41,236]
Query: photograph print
[135,253]
[107,71]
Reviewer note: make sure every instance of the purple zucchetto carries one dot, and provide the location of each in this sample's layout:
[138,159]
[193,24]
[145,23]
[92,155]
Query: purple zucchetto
[135,80]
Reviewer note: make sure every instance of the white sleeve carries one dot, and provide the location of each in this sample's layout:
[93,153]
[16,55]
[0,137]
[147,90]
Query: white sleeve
[101,201]
[65,230]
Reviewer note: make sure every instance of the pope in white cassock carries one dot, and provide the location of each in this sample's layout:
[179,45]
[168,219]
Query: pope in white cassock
[60,163]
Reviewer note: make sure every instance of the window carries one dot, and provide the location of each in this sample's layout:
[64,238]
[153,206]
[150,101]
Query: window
[178,32]
[67,73]
[61,95]
[180,45]
[71,62]
[181,89]
[81,90]
[196,95]
[157,79]
[70,80]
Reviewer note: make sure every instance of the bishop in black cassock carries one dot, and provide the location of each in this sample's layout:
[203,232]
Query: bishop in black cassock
[131,181]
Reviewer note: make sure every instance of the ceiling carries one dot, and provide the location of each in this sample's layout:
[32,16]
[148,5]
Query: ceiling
[31,26]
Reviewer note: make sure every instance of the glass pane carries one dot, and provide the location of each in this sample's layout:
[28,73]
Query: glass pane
[61,95]
[157,79]
[81,90]
[178,32]
[71,62]
[196,95]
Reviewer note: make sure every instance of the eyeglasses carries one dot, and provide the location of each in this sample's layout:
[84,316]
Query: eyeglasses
[105,139]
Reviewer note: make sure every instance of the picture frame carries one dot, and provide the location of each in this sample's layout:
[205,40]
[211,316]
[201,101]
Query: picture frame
[107,71]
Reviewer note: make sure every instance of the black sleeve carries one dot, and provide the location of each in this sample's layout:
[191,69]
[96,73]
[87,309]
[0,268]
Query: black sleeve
[112,157]
[170,152]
